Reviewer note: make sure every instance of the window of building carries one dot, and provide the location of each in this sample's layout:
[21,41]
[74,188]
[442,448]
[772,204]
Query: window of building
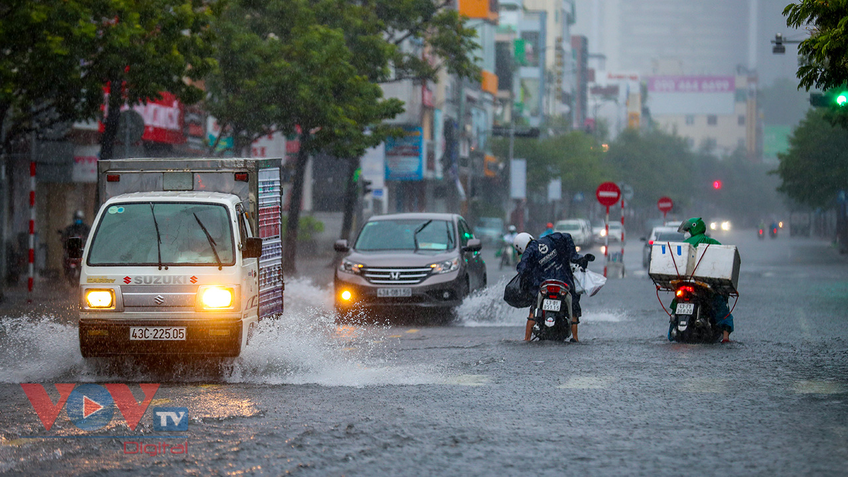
[712,119]
[690,119]
[741,120]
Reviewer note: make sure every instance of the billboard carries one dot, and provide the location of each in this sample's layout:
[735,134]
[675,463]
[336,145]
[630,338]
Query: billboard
[405,156]
[691,94]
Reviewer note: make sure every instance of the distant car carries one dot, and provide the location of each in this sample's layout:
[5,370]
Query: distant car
[615,229]
[489,230]
[660,235]
[579,229]
[409,262]
[720,225]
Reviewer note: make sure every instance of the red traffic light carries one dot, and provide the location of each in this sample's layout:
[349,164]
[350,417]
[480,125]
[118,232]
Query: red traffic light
[716,185]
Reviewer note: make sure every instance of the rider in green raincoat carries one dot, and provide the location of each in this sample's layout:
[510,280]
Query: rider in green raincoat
[697,230]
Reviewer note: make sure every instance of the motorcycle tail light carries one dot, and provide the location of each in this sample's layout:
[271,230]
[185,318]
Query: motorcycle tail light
[684,290]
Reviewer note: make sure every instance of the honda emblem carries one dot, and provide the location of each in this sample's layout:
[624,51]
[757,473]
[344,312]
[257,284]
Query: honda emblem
[394,275]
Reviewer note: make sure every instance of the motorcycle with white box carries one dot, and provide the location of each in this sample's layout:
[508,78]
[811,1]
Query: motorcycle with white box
[695,276]
[184,257]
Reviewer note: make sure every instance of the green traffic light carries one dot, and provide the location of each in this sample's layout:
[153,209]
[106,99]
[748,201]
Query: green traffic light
[842,99]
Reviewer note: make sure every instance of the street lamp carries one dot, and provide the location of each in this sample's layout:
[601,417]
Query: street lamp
[779,47]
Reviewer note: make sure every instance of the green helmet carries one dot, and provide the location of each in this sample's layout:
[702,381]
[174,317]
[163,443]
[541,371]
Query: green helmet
[694,226]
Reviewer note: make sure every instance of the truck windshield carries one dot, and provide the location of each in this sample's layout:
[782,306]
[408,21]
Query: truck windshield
[126,235]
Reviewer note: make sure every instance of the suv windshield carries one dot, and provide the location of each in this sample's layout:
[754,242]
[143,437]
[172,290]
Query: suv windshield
[437,235]
[568,227]
[127,235]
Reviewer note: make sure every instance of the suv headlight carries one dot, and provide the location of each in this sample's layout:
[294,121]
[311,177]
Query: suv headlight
[351,267]
[446,266]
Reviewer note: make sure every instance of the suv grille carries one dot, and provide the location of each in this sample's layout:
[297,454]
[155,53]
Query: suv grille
[396,276]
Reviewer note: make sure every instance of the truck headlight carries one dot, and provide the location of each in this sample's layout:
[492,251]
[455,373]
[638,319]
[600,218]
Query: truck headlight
[351,267]
[100,299]
[216,298]
[446,266]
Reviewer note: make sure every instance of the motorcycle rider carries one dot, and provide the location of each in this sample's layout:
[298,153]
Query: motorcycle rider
[78,228]
[550,258]
[549,230]
[697,230]
[508,239]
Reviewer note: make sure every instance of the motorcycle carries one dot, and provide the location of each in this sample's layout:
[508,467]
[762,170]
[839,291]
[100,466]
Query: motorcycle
[693,318]
[508,256]
[761,234]
[553,311]
[70,265]
[773,231]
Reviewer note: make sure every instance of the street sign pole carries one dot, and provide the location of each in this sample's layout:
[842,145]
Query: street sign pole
[607,194]
[664,204]
[622,236]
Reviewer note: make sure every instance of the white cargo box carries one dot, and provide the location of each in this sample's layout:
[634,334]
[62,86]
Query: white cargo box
[671,261]
[718,266]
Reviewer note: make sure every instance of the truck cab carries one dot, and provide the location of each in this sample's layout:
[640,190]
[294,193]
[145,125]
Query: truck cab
[178,271]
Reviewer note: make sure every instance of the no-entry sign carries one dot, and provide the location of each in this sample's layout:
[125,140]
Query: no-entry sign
[608,193]
[665,204]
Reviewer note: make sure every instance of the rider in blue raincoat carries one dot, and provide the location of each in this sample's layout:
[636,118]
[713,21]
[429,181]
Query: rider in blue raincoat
[724,319]
[549,258]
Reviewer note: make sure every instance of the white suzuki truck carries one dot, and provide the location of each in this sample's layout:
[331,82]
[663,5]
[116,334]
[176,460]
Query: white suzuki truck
[184,257]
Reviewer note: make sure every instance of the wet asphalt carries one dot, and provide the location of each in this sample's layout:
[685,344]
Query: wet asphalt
[470,398]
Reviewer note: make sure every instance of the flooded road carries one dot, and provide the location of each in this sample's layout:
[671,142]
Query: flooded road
[309,397]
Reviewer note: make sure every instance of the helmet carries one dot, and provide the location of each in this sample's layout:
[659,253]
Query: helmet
[521,241]
[550,225]
[511,229]
[694,226]
[78,215]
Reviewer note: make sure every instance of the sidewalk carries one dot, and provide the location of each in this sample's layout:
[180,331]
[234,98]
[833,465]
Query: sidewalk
[56,297]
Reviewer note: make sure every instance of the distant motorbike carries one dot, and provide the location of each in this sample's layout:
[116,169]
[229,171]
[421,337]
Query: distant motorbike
[693,318]
[773,231]
[553,311]
[508,256]
[761,233]
[70,265]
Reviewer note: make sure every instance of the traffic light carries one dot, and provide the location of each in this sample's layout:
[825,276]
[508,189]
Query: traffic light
[366,187]
[835,97]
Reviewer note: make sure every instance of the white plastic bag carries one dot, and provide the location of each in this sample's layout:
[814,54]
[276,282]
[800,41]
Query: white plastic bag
[587,282]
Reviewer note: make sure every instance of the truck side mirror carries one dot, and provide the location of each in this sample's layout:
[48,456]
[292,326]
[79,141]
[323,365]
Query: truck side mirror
[74,247]
[341,246]
[252,248]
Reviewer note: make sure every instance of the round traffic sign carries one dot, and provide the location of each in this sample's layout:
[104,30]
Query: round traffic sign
[608,193]
[665,204]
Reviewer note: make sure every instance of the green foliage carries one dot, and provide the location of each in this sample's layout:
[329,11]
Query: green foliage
[815,167]
[308,228]
[575,157]
[655,164]
[58,54]
[316,64]
[824,53]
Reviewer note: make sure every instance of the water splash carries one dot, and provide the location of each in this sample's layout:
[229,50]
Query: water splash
[487,308]
[304,346]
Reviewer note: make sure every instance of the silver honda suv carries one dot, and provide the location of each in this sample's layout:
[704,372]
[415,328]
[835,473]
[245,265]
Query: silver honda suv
[406,262]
